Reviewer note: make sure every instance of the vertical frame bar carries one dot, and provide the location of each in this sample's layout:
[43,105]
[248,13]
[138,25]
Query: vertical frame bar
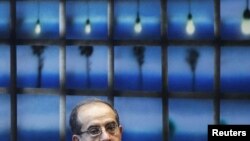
[13,69]
[165,115]
[62,69]
[217,45]
[111,51]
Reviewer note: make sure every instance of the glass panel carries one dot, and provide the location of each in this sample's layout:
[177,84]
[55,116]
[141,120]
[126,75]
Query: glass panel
[190,69]
[4,117]
[231,21]
[87,67]
[77,13]
[189,119]
[4,66]
[30,12]
[140,118]
[125,19]
[235,112]
[202,13]
[37,66]
[138,68]
[37,117]
[4,16]
[235,69]
[71,102]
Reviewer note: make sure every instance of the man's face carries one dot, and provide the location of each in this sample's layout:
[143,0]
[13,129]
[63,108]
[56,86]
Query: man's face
[96,116]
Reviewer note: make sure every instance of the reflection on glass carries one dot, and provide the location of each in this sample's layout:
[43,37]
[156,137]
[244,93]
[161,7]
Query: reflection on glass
[231,21]
[235,111]
[37,19]
[37,66]
[38,117]
[139,54]
[86,67]
[138,68]
[135,21]
[87,51]
[5,117]
[192,59]
[190,69]
[189,119]
[141,118]
[4,66]
[38,52]
[185,19]
[71,102]
[235,69]
[87,19]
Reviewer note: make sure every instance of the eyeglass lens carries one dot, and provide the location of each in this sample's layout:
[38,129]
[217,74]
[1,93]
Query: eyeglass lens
[96,130]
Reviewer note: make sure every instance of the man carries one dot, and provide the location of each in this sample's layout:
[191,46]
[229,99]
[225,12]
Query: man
[95,120]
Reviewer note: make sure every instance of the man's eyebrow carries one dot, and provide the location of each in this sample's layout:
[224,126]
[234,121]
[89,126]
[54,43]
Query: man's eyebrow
[111,122]
[91,126]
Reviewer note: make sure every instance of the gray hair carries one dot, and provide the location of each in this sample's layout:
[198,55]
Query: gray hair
[76,125]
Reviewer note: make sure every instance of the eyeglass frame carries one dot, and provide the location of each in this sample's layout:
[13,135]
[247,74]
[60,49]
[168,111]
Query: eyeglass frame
[100,130]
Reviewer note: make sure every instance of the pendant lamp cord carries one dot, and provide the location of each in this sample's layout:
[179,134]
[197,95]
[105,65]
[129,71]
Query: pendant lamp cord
[189,6]
[247,2]
[138,6]
[38,7]
[87,9]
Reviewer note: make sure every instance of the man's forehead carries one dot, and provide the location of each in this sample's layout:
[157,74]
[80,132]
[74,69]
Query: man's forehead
[94,106]
[95,110]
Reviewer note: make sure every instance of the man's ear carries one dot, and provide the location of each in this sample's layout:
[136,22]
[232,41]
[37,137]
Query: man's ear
[120,129]
[75,138]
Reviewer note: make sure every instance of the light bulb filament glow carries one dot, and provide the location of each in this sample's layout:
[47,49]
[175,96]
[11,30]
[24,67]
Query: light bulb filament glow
[87,28]
[38,27]
[190,27]
[138,26]
[245,24]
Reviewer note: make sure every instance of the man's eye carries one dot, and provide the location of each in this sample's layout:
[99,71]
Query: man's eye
[111,127]
[94,131]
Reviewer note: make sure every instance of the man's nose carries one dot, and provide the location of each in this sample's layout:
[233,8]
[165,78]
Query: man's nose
[105,136]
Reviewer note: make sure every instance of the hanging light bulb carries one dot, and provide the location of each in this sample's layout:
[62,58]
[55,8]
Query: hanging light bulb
[38,27]
[190,27]
[245,24]
[138,26]
[87,27]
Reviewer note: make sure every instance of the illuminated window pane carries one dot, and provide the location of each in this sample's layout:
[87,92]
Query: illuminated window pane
[189,119]
[202,15]
[77,13]
[36,67]
[4,66]
[4,117]
[138,68]
[231,21]
[87,67]
[29,12]
[235,112]
[125,18]
[71,102]
[235,69]
[190,69]
[37,117]
[140,118]
[4,16]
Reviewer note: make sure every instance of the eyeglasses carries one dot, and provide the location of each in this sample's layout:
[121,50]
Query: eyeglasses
[95,131]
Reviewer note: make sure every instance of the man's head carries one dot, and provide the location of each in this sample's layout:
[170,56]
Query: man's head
[95,120]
